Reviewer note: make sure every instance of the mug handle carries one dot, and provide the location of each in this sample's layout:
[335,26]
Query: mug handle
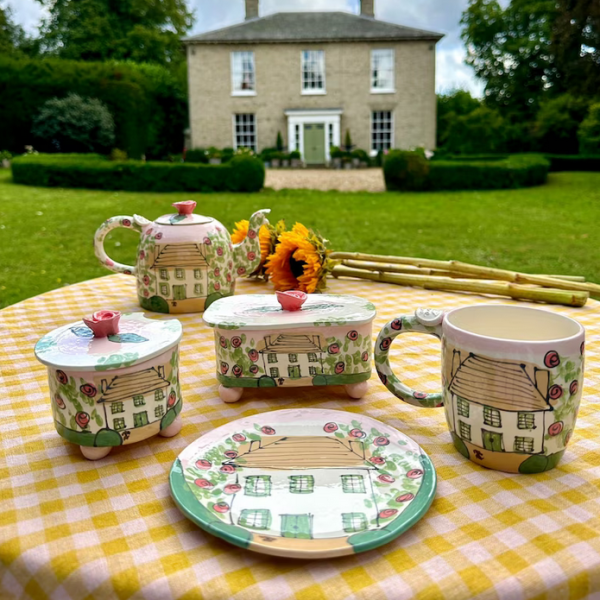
[425,320]
[101,233]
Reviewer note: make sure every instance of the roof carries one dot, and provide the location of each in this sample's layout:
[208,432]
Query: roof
[303,452]
[180,255]
[500,384]
[312,27]
[141,383]
[295,344]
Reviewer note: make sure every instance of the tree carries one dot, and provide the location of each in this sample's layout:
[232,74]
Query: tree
[138,30]
[483,130]
[11,35]
[449,107]
[589,132]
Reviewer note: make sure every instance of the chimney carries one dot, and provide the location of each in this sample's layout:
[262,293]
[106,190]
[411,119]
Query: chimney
[251,9]
[367,8]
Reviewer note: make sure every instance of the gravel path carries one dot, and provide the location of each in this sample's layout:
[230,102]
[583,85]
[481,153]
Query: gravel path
[358,180]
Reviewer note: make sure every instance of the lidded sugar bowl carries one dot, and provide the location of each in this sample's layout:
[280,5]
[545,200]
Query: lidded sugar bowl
[114,380]
[291,339]
[185,261]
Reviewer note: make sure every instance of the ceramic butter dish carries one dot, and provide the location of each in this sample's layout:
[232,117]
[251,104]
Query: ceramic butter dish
[114,380]
[290,340]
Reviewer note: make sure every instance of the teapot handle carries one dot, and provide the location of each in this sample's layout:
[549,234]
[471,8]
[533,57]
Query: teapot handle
[102,232]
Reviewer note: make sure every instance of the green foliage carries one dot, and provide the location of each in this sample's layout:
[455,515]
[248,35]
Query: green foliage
[348,141]
[450,106]
[589,132]
[482,130]
[405,170]
[12,35]
[574,162]
[242,174]
[118,155]
[197,155]
[74,124]
[362,155]
[279,142]
[295,155]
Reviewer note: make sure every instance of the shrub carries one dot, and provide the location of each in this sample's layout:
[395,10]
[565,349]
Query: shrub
[279,142]
[405,170]
[116,154]
[481,131]
[267,154]
[243,174]
[348,141]
[589,132]
[361,155]
[197,155]
[337,152]
[573,162]
[295,155]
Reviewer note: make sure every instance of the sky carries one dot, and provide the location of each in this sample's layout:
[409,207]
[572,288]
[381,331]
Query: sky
[442,16]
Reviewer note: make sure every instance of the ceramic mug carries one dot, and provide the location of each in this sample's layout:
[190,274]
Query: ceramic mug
[511,378]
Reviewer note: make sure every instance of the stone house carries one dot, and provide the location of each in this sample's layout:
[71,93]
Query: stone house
[313,76]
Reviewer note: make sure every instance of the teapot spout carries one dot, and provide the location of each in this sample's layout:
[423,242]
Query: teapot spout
[246,254]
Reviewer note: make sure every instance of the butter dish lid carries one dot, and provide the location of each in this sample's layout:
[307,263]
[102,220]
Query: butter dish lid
[133,340]
[262,311]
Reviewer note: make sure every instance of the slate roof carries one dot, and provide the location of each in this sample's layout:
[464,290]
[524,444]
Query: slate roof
[294,344]
[312,27]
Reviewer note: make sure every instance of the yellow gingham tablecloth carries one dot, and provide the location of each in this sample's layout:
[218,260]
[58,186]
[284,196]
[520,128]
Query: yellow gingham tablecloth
[71,528]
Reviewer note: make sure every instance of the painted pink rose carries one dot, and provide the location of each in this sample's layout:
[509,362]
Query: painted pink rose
[241,271]
[419,395]
[405,497]
[203,464]
[219,251]
[217,272]
[385,344]
[253,369]
[334,349]
[251,255]
[236,341]
[207,241]
[171,400]
[415,473]
[204,483]
[365,356]
[251,234]
[239,437]
[383,377]
[377,460]
[227,469]
[158,236]
[339,368]
[268,430]
[146,280]
[253,355]
[231,454]
[386,479]
[229,277]
[555,392]
[126,223]
[223,342]
[221,507]
[127,272]
[352,335]
[358,434]
[388,513]
[573,387]
[146,293]
[551,359]
[59,401]
[82,419]
[142,255]
[582,348]
[217,286]
[232,488]
[396,324]
[89,390]
[381,441]
[330,427]
[224,368]
[555,428]
[237,370]
[149,231]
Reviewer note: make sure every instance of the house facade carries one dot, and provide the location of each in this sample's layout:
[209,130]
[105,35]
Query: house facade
[313,77]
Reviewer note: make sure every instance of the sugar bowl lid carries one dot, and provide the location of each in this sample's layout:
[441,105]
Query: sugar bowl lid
[287,310]
[107,340]
[185,215]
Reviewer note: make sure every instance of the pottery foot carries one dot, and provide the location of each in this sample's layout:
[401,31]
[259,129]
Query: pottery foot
[93,453]
[173,429]
[357,390]
[230,395]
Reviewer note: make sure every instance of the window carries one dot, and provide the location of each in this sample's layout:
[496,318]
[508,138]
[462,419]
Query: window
[464,430]
[256,519]
[197,274]
[119,423]
[491,416]
[159,411]
[116,407]
[302,484]
[159,395]
[353,484]
[164,289]
[312,371]
[526,421]
[381,130]
[180,273]
[272,358]
[243,79]
[463,407]
[245,131]
[382,71]
[258,485]
[293,358]
[312,357]
[198,289]
[274,372]
[164,274]
[313,72]
[353,522]
[140,419]
[523,444]
[138,400]
[297,136]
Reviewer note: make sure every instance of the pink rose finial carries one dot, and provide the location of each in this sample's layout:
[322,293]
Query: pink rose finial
[291,300]
[104,323]
[186,207]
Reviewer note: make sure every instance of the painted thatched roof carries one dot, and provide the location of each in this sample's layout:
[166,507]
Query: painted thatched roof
[180,255]
[291,344]
[123,387]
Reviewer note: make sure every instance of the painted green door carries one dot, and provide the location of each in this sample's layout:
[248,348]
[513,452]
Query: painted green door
[179,292]
[314,144]
[296,526]
[294,371]
[140,419]
[492,441]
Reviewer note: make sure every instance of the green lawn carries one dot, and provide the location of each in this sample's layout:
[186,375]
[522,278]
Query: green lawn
[46,233]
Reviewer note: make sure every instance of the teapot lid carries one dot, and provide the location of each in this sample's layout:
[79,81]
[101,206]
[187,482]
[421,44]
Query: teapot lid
[81,347]
[185,215]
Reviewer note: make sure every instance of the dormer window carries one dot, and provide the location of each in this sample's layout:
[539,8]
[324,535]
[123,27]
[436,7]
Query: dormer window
[243,77]
[313,72]
[382,72]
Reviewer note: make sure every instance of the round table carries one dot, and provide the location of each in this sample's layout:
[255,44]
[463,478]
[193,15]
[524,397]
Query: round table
[71,528]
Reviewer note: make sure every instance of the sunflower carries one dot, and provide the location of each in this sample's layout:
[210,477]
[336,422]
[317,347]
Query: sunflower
[267,237]
[300,261]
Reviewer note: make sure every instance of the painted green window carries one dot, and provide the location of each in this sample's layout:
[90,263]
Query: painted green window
[258,485]
[119,423]
[296,526]
[198,289]
[164,289]
[197,274]
[140,419]
[312,371]
[139,400]
[353,484]
[159,395]
[272,357]
[526,421]
[302,484]
[312,357]
[294,371]
[464,430]
[354,522]
[274,372]
[293,358]
[256,519]
[463,407]
[164,274]
[180,273]
[116,407]
[159,411]
[491,416]
[523,444]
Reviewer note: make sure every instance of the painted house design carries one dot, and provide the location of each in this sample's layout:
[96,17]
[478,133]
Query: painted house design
[134,400]
[292,357]
[499,405]
[181,272]
[320,474]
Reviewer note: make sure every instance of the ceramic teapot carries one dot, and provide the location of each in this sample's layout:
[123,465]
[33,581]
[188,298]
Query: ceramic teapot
[185,261]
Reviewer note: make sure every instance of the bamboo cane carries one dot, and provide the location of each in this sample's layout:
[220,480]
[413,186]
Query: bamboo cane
[408,269]
[518,292]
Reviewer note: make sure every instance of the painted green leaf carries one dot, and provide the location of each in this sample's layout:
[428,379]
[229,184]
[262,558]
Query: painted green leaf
[127,338]
[85,332]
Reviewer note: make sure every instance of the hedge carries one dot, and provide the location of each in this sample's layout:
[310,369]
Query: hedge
[242,174]
[573,162]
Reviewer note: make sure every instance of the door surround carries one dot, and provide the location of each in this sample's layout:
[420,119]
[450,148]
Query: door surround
[329,117]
